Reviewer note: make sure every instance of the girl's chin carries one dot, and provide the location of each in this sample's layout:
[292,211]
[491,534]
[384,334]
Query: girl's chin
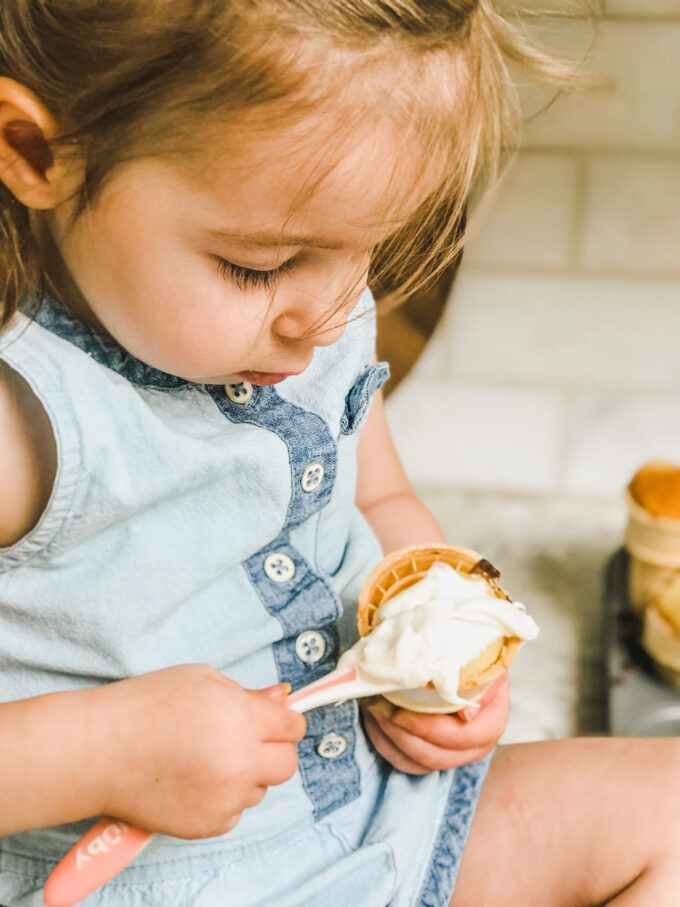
[261,378]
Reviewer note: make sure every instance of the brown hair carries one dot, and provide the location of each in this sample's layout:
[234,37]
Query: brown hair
[121,77]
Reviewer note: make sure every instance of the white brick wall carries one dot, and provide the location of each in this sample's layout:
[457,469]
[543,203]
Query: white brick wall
[529,219]
[641,59]
[493,438]
[566,332]
[648,8]
[632,215]
[608,437]
[556,367]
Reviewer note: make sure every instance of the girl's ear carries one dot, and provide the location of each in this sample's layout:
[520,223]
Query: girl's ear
[27,165]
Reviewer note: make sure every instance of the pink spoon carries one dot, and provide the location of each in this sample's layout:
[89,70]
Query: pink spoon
[111,844]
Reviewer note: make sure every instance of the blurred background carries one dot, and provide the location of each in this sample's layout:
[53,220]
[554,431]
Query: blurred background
[553,372]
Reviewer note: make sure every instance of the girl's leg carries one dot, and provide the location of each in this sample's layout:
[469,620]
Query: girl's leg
[576,823]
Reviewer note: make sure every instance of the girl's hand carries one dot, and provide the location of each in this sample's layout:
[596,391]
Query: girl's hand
[184,750]
[417,743]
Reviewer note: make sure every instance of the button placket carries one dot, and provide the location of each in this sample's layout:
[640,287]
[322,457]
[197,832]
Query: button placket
[297,596]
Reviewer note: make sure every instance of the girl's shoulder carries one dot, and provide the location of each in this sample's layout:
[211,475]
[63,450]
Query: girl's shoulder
[28,458]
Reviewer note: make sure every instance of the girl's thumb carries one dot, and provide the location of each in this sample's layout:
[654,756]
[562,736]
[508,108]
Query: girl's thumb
[279,692]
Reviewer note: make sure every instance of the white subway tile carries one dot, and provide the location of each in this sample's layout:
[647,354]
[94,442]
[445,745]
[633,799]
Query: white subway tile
[564,332]
[527,219]
[669,8]
[471,437]
[632,217]
[609,437]
[640,112]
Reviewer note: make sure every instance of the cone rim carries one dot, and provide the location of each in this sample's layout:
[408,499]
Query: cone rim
[391,575]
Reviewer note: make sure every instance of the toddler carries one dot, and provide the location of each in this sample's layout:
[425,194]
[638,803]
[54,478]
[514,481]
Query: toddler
[196,472]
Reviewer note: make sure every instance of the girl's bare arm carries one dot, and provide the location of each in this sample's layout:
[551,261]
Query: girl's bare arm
[398,518]
[48,761]
[384,494]
[44,776]
[28,459]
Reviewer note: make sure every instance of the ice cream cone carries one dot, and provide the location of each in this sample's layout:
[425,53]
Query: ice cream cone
[402,569]
[653,530]
[662,641]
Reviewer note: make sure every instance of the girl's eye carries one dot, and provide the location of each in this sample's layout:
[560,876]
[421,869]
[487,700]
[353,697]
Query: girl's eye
[248,278]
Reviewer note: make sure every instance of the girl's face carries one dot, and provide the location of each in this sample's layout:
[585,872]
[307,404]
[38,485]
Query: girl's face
[186,268]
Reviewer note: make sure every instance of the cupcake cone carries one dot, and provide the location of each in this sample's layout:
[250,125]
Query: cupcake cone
[662,642]
[402,569]
[653,530]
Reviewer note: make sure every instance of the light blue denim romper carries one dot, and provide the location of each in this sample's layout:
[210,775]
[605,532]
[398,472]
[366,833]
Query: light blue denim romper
[198,523]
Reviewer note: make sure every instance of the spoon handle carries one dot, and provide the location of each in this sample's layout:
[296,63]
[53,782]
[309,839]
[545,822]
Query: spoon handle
[97,857]
[336,686]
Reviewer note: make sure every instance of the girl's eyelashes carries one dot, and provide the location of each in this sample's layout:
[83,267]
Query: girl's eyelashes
[250,279]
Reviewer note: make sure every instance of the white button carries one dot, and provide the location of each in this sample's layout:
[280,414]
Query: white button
[241,392]
[279,567]
[312,476]
[332,745]
[310,647]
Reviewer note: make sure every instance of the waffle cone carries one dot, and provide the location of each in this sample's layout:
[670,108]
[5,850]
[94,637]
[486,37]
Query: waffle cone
[403,568]
[662,642]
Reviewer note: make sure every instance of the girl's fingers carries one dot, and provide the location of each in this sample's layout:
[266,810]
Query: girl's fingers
[256,794]
[407,762]
[277,762]
[494,690]
[388,750]
[429,755]
[276,722]
[447,731]
[278,693]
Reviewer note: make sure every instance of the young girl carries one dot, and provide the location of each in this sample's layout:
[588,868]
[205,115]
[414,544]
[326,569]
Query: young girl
[194,196]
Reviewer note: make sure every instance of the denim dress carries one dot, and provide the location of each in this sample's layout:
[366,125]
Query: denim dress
[216,524]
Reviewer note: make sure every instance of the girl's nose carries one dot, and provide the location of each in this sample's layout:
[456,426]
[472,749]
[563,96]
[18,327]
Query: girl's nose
[303,322]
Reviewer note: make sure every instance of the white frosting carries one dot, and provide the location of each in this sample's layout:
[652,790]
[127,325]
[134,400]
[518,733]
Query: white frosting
[428,632]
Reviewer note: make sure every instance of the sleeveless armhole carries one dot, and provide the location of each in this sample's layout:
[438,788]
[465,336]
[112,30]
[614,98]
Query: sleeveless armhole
[60,414]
